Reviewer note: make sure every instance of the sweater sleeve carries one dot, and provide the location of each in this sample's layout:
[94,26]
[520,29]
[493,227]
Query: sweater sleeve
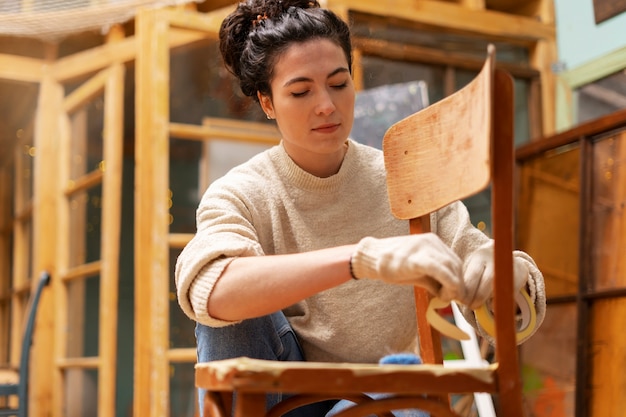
[224,232]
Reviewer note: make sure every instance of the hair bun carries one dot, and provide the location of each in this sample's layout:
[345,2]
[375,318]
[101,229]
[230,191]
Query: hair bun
[247,16]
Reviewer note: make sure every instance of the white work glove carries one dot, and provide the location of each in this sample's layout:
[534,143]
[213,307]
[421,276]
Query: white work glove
[478,273]
[420,259]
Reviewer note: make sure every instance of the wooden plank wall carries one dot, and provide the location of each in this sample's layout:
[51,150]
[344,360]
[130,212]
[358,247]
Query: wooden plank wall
[607,383]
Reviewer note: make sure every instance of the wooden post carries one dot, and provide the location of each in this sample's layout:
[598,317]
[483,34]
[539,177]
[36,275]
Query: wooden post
[42,388]
[113,138]
[151,386]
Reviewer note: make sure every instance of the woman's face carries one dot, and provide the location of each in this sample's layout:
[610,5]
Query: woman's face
[313,104]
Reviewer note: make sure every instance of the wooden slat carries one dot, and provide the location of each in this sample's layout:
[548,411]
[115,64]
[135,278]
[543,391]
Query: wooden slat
[19,68]
[184,355]
[179,240]
[246,126]
[450,15]
[83,183]
[256,133]
[473,4]
[208,23]
[86,92]
[81,271]
[79,363]
[74,327]
[110,230]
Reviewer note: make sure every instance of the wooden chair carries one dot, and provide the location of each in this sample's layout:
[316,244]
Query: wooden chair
[446,152]
[19,386]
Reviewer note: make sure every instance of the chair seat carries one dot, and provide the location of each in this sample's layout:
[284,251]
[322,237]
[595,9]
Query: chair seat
[254,375]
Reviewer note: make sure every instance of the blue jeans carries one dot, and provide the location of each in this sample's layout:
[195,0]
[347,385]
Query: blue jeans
[270,337]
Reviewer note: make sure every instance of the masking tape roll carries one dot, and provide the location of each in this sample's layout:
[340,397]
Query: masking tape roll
[484,317]
[529,317]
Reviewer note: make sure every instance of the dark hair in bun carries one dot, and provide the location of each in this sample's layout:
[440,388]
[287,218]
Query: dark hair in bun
[258,31]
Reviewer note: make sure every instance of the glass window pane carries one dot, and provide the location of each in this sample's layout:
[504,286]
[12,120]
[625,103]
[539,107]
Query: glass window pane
[548,217]
[183,394]
[410,33]
[549,363]
[380,71]
[602,97]
[86,126]
[83,311]
[85,226]
[81,393]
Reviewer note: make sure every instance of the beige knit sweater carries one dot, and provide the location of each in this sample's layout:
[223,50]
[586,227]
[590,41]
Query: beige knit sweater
[270,206]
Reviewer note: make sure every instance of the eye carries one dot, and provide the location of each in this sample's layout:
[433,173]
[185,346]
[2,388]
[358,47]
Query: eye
[300,94]
[340,86]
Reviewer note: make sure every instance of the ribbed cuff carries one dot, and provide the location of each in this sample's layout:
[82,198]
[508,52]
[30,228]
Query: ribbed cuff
[364,260]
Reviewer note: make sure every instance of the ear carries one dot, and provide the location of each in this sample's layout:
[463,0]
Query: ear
[266,104]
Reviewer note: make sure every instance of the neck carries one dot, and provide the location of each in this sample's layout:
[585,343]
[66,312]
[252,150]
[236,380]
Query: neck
[320,165]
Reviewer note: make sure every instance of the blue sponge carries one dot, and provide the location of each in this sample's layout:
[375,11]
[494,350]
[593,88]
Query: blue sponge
[400,359]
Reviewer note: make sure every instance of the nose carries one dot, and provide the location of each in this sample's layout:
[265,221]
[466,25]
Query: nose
[325,104]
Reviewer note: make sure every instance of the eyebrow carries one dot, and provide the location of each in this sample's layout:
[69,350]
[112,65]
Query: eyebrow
[305,79]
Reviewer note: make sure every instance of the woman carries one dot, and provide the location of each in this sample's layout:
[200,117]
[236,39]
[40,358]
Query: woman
[297,255]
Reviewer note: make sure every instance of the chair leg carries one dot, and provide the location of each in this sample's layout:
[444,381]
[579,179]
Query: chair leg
[214,405]
[250,404]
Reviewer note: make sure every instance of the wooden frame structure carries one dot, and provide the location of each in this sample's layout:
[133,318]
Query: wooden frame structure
[597,286]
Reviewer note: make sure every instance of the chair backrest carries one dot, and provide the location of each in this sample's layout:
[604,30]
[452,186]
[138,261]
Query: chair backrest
[27,341]
[442,153]
[447,152]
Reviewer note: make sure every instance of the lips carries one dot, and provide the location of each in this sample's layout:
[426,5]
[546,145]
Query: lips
[327,128]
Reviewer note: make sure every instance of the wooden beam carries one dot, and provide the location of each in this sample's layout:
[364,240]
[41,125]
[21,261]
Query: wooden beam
[19,68]
[473,4]
[86,92]
[183,355]
[197,27]
[113,139]
[414,53]
[454,16]
[542,56]
[207,132]
[208,23]
[45,223]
